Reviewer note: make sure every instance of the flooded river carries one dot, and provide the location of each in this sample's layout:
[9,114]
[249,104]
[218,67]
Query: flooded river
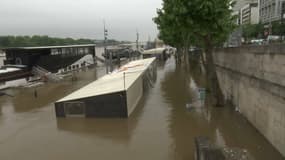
[161,127]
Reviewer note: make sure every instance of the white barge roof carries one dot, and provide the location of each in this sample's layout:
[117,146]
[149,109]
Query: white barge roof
[7,70]
[113,82]
[154,51]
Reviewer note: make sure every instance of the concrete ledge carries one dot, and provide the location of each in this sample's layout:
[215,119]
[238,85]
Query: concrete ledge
[263,62]
[257,49]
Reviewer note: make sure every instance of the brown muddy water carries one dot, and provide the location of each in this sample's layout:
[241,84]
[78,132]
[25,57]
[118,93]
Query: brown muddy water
[161,127]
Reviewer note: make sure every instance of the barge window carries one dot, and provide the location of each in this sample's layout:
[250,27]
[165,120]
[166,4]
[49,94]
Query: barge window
[74,109]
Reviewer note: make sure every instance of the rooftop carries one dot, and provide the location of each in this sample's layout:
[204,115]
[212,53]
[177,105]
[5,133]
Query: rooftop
[116,81]
[50,47]
[154,51]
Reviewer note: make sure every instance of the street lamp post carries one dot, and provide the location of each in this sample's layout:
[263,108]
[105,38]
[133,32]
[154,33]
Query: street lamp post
[282,20]
[105,47]
[137,45]
[270,27]
[137,41]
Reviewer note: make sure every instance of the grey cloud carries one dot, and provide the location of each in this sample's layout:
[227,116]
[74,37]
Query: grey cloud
[79,18]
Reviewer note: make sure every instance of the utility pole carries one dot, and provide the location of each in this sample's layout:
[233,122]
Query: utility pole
[137,41]
[105,46]
[281,20]
[270,25]
[137,45]
[110,53]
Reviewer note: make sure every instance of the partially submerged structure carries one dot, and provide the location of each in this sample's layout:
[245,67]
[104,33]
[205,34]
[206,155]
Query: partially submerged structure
[121,52]
[51,58]
[117,53]
[159,53]
[45,61]
[114,95]
[13,72]
[206,150]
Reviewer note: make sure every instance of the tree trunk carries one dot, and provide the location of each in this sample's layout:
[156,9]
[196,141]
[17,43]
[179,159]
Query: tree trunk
[203,59]
[179,54]
[212,78]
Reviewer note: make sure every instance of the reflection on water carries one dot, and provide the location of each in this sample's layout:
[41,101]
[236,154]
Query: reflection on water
[101,128]
[160,128]
[224,126]
[117,130]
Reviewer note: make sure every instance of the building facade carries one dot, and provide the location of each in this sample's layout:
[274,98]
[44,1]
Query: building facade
[249,14]
[237,15]
[246,11]
[240,3]
[2,57]
[270,10]
[50,58]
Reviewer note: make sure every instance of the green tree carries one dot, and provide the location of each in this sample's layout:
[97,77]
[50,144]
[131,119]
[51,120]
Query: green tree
[252,31]
[205,23]
[278,28]
[171,32]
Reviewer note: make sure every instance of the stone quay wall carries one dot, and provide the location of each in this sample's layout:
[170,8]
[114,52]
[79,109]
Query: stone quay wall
[253,79]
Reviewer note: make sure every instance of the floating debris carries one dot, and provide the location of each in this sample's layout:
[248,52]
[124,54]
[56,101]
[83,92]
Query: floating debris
[205,150]
[199,102]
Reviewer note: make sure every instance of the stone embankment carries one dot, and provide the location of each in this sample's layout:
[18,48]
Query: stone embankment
[253,79]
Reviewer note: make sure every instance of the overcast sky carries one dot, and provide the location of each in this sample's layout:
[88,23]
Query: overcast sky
[79,18]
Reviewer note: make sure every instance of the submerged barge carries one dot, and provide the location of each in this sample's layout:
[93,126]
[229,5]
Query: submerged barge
[113,95]
[159,53]
[13,72]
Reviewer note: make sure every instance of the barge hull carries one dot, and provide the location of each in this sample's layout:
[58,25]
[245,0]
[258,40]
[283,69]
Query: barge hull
[110,105]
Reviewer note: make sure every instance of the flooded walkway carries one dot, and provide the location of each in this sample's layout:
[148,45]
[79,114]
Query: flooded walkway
[161,127]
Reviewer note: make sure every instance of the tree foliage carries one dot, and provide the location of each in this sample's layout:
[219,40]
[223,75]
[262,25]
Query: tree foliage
[171,32]
[203,23]
[195,21]
[252,31]
[278,28]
